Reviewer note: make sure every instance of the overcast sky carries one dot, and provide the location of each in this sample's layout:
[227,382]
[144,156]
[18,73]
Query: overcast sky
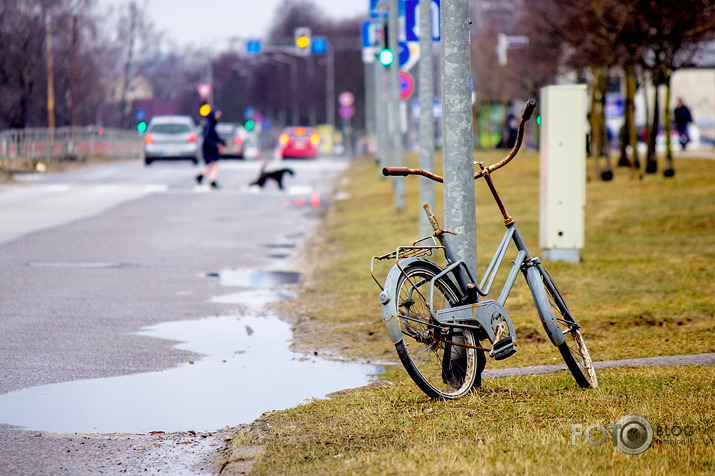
[205,21]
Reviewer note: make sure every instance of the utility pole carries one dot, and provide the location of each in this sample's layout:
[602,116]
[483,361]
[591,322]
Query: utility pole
[73,89]
[396,128]
[50,75]
[330,85]
[426,95]
[381,112]
[458,149]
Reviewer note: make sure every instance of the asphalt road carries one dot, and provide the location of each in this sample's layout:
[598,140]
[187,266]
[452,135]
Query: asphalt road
[91,257]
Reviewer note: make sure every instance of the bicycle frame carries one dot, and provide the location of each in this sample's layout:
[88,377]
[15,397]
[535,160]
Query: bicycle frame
[471,314]
[425,333]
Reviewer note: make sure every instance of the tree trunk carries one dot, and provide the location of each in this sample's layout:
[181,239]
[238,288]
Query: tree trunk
[629,71]
[669,170]
[595,136]
[652,163]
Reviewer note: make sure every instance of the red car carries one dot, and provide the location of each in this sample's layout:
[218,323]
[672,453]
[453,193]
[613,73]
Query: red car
[299,143]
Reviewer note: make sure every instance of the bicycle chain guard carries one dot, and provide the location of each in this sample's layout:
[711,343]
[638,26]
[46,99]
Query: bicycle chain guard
[491,317]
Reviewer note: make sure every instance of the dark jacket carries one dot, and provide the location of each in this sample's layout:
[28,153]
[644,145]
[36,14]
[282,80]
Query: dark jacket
[211,139]
[682,117]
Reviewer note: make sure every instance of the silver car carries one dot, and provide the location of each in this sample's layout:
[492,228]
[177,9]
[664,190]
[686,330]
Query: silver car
[171,138]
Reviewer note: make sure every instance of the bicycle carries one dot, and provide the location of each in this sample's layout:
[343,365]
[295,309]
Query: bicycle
[433,314]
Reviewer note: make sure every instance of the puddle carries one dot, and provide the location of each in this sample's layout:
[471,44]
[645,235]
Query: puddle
[255,278]
[247,369]
[281,245]
[255,299]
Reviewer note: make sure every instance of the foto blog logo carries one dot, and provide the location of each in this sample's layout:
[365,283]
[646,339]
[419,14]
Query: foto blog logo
[632,434]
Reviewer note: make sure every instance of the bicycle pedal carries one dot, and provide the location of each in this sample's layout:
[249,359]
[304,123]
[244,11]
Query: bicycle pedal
[503,348]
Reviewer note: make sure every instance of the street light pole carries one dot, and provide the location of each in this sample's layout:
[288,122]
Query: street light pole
[458,149]
[396,127]
[426,94]
[293,65]
[330,84]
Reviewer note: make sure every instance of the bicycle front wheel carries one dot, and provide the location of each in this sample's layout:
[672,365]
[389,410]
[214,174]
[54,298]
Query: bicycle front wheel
[441,361]
[557,318]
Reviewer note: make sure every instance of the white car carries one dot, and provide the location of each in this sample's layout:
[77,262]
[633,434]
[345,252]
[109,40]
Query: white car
[171,138]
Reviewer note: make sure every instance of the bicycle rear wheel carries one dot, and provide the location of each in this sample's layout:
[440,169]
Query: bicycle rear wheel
[556,316]
[432,355]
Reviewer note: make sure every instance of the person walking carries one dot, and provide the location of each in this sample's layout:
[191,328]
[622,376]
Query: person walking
[682,119]
[210,150]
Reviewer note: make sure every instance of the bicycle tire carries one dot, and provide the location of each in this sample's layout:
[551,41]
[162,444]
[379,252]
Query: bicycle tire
[440,369]
[555,315]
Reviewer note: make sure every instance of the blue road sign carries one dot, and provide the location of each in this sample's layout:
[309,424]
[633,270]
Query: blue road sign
[319,45]
[412,17]
[253,47]
[404,52]
[368,34]
[373,10]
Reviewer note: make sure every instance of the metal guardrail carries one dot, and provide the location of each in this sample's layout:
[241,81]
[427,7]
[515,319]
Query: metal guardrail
[20,146]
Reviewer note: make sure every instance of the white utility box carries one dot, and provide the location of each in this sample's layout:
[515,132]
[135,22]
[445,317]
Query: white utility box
[562,172]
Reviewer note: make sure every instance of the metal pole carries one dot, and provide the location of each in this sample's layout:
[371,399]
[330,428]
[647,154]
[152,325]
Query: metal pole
[312,113]
[293,65]
[50,75]
[330,85]
[426,94]
[396,129]
[381,116]
[458,151]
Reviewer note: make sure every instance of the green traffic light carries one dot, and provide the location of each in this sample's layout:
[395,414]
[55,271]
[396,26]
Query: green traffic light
[538,120]
[141,127]
[386,57]
[249,125]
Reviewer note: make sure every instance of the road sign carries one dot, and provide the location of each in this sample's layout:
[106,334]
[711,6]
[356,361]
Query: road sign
[378,8]
[412,20]
[369,39]
[346,112]
[204,89]
[409,54]
[253,47]
[319,45]
[346,98]
[407,85]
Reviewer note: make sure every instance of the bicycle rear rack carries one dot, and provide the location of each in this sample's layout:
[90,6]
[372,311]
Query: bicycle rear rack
[402,252]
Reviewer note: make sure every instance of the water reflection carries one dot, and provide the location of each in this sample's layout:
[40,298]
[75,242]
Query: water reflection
[248,369]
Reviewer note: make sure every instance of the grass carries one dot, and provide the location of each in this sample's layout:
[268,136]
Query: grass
[509,426]
[645,286]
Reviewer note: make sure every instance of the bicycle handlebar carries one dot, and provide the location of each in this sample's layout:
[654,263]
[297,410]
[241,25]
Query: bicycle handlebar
[525,116]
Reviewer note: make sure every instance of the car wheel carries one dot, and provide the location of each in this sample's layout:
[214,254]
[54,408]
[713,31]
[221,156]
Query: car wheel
[147,161]
[195,161]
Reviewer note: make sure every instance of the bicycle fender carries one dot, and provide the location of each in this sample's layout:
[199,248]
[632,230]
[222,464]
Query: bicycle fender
[543,307]
[390,314]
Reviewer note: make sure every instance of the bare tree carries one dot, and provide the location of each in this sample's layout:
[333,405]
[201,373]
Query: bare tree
[673,32]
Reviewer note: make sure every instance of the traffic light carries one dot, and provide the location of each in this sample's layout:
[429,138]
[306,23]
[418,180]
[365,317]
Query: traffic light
[249,125]
[386,57]
[141,127]
[302,41]
[205,109]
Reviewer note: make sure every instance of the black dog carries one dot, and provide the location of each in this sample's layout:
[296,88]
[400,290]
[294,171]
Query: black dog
[276,175]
